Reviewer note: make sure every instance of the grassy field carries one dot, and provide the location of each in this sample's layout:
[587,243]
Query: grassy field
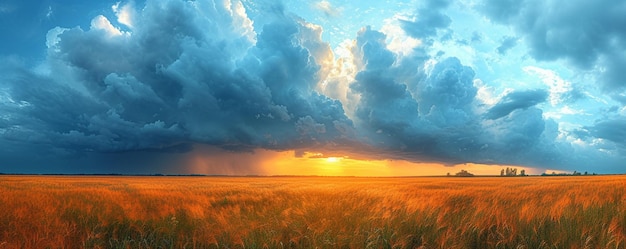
[312,212]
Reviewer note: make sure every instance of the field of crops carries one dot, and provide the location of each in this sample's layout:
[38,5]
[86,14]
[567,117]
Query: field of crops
[310,212]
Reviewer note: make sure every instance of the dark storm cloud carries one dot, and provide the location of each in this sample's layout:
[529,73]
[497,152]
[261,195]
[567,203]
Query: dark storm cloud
[447,94]
[613,129]
[516,100]
[387,115]
[429,18]
[609,135]
[195,79]
[438,120]
[170,82]
[386,109]
[588,34]
[433,115]
[530,139]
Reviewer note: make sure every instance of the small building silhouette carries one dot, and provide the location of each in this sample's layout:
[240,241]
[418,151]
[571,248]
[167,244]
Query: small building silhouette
[464,173]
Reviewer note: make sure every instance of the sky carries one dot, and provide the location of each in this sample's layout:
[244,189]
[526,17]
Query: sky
[366,88]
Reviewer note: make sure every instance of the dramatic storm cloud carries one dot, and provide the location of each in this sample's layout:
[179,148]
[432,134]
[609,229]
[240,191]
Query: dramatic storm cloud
[138,87]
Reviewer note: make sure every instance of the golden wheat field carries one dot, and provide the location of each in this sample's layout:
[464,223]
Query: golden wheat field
[312,212]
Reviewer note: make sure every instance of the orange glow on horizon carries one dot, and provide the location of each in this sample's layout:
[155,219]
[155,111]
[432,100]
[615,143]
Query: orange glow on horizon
[213,161]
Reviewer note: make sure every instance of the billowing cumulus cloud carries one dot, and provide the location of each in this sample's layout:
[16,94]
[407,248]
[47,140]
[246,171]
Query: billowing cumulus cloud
[440,119]
[208,78]
[151,87]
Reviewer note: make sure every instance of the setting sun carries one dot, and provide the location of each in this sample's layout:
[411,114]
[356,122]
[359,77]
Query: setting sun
[333,159]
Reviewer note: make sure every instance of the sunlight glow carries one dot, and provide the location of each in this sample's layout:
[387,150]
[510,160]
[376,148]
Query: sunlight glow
[214,161]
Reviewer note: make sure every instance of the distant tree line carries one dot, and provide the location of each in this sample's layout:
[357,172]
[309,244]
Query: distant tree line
[575,173]
[512,172]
